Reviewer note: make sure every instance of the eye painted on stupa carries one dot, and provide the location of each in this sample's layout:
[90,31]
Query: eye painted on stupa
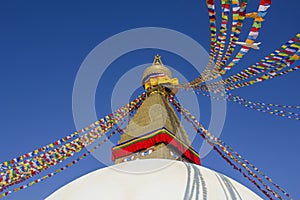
[129,158]
[147,152]
[174,155]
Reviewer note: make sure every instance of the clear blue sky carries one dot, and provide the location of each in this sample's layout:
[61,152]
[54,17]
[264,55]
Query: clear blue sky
[42,45]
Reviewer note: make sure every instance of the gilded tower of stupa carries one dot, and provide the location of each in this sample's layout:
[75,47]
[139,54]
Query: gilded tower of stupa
[155,131]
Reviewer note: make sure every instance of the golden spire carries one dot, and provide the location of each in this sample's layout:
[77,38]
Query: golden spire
[157,60]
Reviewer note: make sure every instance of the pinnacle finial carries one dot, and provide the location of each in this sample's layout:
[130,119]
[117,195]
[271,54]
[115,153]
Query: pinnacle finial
[157,60]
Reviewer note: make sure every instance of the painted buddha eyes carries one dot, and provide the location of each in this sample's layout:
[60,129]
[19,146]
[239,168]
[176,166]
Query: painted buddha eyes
[135,156]
[174,155]
[129,158]
[145,153]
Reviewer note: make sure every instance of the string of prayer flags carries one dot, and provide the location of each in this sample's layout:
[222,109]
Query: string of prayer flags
[218,44]
[253,34]
[283,56]
[228,154]
[213,141]
[238,16]
[132,107]
[265,77]
[213,31]
[117,115]
[24,169]
[264,108]
[84,155]
[222,36]
[273,109]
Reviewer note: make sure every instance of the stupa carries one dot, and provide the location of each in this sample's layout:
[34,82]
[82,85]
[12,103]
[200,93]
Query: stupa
[154,158]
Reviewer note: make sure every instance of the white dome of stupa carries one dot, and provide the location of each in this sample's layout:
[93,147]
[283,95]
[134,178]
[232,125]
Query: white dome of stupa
[154,179]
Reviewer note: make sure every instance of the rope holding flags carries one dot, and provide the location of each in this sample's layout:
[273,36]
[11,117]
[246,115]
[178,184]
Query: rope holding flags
[272,109]
[217,46]
[237,25]
[84,155]
[238,17]
[282,57]
[203,133]
[223,33]
[253,34]
[228,154]
[16,172]
[250,102]
[103,123]
[213,31]
[263,108]
[262,78]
